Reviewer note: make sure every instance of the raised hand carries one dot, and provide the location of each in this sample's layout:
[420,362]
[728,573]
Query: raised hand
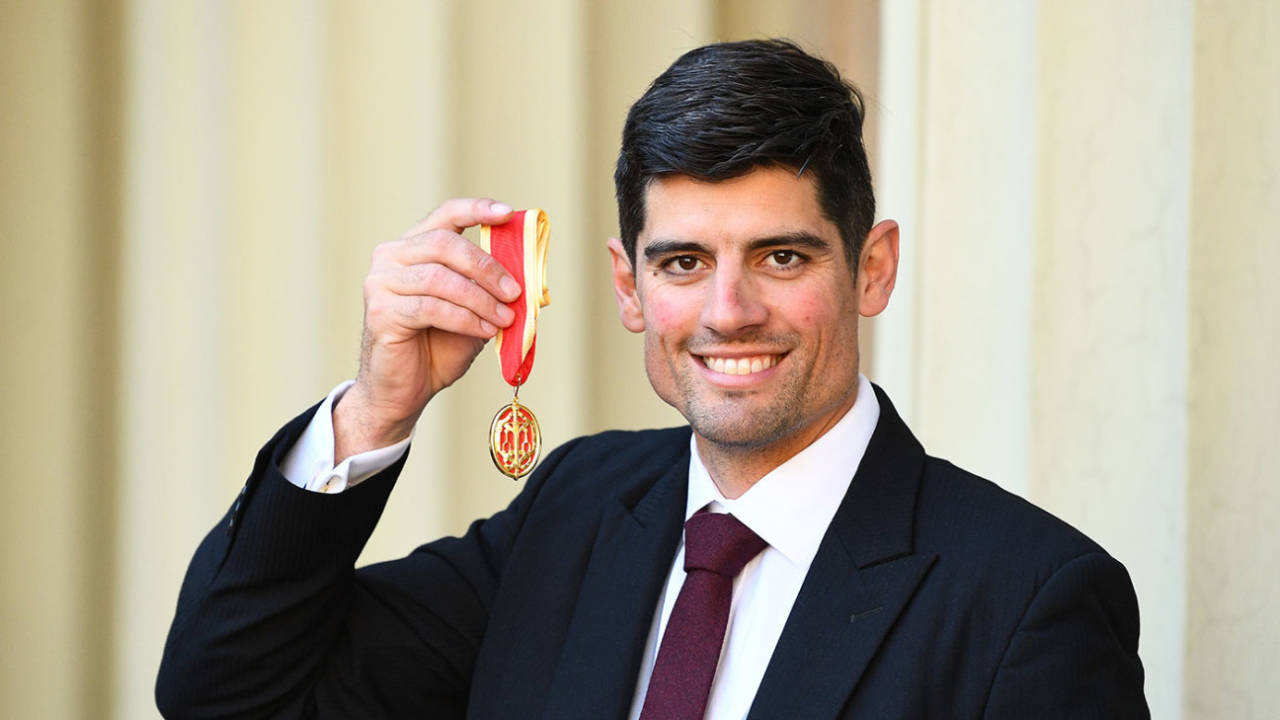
[431,301]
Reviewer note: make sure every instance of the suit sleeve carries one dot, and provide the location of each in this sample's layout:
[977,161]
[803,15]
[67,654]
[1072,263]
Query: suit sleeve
[274,622]
[1075,652]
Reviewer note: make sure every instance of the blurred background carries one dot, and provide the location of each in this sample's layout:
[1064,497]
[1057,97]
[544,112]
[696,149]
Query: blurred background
[1087,312]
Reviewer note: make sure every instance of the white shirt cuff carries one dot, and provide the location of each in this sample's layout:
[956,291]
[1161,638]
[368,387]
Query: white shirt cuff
[309,463]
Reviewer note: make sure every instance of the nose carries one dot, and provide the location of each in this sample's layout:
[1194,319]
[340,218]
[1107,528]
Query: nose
[733,303]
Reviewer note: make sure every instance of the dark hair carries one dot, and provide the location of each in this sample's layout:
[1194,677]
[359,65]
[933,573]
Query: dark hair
[724,109]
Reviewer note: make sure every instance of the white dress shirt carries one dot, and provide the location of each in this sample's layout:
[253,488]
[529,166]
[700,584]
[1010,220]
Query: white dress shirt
[790,509]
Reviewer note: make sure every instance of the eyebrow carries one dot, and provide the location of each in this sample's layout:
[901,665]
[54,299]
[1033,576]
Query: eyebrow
[799,238]
[659,248]
[663,246]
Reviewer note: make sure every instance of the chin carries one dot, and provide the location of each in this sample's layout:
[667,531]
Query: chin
[741,430]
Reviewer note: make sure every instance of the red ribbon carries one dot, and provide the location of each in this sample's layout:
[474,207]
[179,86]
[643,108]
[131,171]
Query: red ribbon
[507,243]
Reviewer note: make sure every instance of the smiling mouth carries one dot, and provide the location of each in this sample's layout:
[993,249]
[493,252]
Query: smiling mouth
[741,365]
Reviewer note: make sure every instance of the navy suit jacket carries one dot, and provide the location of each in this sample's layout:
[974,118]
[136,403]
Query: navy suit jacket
[934,594]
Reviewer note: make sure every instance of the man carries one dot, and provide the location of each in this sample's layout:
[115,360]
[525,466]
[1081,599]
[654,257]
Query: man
[791,554]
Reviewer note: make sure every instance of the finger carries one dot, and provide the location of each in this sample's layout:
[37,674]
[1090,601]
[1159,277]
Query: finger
[460,255]
[421,312]
[441,281]
[458,214]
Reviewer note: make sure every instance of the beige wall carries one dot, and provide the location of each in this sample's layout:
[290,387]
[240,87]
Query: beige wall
[190,192]
[1109,308]
[42,222]
[1233,499]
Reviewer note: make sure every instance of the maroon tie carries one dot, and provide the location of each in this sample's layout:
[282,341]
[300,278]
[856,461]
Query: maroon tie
[716,547]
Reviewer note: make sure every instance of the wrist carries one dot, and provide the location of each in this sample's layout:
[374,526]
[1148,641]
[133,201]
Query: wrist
[359,426]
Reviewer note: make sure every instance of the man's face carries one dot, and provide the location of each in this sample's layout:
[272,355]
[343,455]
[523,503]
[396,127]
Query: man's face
[748,306]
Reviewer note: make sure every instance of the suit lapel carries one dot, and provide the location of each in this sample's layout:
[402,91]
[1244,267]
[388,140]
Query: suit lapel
[629,563]
[859,582]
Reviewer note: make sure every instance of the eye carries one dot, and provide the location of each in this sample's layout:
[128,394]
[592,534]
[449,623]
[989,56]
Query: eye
[682,264]
[784,259]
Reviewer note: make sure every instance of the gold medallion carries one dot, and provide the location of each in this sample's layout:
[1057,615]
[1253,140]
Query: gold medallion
[515,440]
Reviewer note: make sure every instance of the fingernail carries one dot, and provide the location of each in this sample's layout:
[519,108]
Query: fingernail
[488,327]
[507,314]
[510,287]
[500,208]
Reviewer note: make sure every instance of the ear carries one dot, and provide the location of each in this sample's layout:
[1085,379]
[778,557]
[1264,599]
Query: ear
[878,268]
[624,288]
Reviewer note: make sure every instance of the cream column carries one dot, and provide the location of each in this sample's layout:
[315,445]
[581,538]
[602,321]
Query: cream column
[1109,322]
[48,416]
[972,241]
[1233,631]
[955,167]
[174,476]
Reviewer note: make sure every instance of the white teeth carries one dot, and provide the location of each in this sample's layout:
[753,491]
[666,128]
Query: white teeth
[740,366]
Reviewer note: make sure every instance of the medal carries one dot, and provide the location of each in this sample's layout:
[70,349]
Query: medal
[520,244]
[515,439]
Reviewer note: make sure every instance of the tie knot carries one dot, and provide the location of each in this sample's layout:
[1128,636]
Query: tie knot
[720,543]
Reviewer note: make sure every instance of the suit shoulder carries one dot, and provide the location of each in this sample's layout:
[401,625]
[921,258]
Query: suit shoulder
[616,458]
[629,449]
[959,511]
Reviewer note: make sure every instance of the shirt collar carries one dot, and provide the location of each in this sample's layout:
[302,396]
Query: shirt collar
[791,507]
